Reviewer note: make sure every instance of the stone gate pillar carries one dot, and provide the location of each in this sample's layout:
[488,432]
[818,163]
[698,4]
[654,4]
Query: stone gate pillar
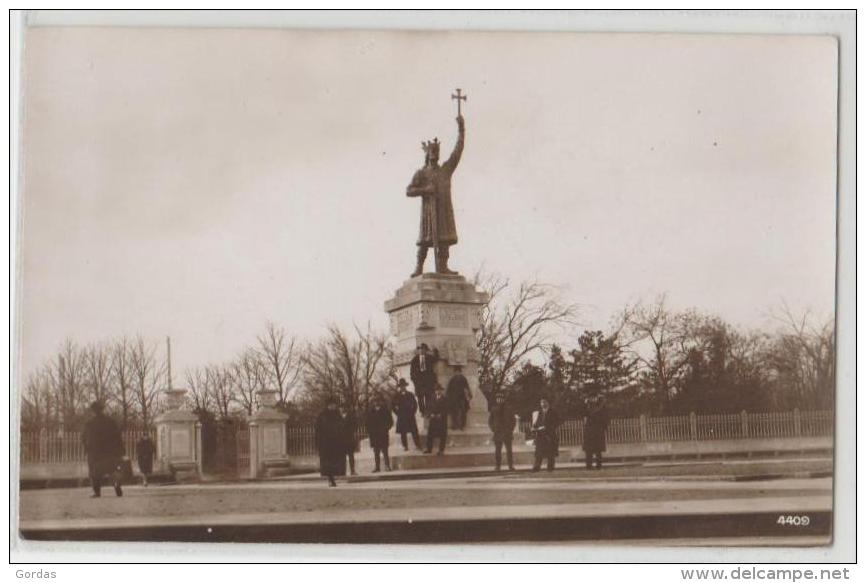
[444,312]
[178,437]
[268,453]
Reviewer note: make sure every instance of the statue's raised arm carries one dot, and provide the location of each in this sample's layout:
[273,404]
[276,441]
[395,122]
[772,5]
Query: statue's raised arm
[454,159]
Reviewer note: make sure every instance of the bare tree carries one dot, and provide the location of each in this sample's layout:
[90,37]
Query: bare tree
[803,359]
[516,326]
[36,401]
[220,384]
[655,337]
[67,378]
[147,373]
[124,390]
[351,369]
[282,360]
[98,371]
[199,390]
[248,375]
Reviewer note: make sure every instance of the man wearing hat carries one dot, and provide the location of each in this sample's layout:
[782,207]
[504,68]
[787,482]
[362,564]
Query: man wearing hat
[459,396]
[544,425]
[103,444]
[437,410]
[405,406]
[502,423]
[594,428]
[379,423]
[331,442]
[423,374]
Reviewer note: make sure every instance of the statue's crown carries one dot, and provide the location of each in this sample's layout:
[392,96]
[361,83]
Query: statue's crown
[431,146]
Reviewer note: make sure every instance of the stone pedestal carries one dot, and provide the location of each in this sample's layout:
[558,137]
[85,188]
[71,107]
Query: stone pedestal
[268,455]
[444,312]
[178,442]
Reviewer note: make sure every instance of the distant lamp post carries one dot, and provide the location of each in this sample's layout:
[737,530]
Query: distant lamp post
[178,443]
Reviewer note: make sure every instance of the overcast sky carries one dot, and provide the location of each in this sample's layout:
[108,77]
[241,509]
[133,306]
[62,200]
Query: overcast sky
[196,183]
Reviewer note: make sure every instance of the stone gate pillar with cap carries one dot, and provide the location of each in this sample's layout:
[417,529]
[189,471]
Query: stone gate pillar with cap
[178,441]
[268,452]
[443,312]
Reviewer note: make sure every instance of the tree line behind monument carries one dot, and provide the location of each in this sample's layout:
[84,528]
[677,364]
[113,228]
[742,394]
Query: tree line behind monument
[652,360]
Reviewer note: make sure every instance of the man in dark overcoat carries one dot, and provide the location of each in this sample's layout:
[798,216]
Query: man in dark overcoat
[405,406]
[502,422]
[459,397]
[544,424]
[379,423]
[422,371]
[594,428]
[331,442]
[349,426]
[438,415]
[103,443]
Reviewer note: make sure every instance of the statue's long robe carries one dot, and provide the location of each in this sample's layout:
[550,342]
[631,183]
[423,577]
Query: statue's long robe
[440,178]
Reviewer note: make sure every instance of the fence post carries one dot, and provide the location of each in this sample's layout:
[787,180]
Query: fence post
[798,427]
[693,426]
[744,422]
[254,449]
[198,448]
[643,432]
[43,446]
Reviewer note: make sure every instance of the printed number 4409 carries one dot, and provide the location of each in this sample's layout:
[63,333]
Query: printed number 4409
[789,520]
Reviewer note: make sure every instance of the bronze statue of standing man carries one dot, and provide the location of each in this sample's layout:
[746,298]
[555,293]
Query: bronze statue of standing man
[433,184]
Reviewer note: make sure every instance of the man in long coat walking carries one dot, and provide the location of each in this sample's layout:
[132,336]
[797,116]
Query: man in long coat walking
[331,442]
[405,406]
[103,443]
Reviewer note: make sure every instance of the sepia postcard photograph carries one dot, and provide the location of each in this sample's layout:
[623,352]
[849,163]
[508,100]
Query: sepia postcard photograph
[383,286]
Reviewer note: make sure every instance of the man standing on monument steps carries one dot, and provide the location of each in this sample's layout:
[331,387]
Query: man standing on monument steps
[433,184]
[405,406]
[422,371]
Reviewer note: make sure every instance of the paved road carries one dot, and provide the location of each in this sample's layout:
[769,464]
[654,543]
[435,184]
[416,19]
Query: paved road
[570,504]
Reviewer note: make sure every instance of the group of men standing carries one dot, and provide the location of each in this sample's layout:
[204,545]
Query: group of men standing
[458,396]
[336,427]
[546,421]
[436,404]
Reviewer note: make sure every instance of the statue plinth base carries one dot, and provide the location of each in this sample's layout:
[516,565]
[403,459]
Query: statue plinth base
[443,312]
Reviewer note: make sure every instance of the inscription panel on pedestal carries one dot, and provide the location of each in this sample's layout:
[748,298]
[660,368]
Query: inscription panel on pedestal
[453,317]
[403,322]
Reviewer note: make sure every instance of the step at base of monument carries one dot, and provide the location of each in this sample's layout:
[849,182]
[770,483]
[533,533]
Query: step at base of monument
[457,458]
[473,438]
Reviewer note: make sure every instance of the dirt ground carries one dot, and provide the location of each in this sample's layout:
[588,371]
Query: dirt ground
[311,495]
